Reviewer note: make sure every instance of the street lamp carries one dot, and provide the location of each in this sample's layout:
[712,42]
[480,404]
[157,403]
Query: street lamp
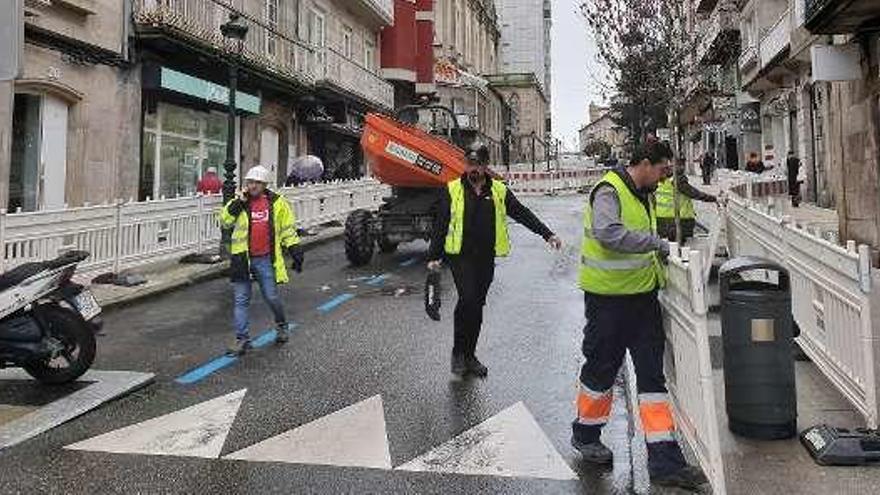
[234,30]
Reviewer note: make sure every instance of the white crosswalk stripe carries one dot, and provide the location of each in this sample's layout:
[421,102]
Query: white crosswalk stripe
[510,443]
[196,431]
[353,436]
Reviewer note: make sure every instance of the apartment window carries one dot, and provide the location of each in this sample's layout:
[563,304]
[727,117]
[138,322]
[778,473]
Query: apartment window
[458,28]
[370,55]
[317,35]
[346,42]
[271,13]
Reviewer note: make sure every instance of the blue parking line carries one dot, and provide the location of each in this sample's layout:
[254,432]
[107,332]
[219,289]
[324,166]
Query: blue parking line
[336,301]
[409,262]
[378,279]
[200,373]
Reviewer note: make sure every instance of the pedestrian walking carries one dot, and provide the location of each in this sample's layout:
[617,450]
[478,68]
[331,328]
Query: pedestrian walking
[707,166]
[620,274]
[665,204]
[210,183]
[263,233]
[470,230]
[793,168]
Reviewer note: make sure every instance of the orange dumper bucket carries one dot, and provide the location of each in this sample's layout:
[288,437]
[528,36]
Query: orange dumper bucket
[404,156]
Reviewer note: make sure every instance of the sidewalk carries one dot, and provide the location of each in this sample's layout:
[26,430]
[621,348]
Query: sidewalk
[170,274]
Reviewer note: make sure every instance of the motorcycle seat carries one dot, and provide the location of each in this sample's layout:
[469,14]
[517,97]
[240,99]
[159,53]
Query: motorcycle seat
[18,274]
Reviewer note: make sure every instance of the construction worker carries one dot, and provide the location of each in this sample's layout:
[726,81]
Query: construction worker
[470,230]
[665,204]
[620,274]
[263,232]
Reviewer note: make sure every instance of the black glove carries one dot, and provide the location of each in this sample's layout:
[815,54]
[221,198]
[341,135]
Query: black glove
[297,258]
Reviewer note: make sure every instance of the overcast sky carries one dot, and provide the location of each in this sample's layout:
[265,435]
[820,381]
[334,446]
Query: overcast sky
[576,73]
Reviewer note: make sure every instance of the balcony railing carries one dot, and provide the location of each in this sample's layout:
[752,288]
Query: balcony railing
[383,8]
[723,20]
[198,21]
[748,57]
[341,72]
[776,40]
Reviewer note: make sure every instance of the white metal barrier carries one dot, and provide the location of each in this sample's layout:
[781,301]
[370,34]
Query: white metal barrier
[552,182]
[833,297]
[127,234]
[687,363]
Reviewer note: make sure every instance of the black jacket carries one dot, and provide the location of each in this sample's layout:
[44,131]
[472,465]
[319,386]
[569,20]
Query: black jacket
[479,222]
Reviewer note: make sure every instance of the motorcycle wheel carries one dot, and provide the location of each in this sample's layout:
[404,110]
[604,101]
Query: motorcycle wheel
[71,331]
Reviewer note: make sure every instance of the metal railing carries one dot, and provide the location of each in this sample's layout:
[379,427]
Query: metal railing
[776,40]
[127,234]
[337,70]
[271,48]
[835,300]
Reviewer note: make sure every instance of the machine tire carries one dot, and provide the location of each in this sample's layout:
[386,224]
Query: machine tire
[68,327]
[387,246]
[358,243]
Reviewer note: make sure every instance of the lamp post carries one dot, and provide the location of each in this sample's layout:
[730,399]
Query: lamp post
[234,30]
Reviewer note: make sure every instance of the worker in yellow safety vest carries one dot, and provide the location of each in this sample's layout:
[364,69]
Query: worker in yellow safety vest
[665,203]
[620,275]
[470,231]
[264,231]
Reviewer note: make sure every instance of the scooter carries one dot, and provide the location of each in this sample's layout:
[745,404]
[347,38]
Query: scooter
[48,322]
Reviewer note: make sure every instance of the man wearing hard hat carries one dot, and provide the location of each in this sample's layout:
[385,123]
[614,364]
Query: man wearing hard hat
[263,232]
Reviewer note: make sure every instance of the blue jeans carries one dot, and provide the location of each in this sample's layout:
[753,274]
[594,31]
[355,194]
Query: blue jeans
[264,273]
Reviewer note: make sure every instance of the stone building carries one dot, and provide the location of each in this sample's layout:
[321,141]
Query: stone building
[466,38]
[602,127]
[75,110]
[129,99]
[525,39]
[527,127]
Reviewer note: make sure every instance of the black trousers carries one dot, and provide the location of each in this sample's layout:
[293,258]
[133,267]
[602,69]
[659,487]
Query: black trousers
[473,276]
[615,324]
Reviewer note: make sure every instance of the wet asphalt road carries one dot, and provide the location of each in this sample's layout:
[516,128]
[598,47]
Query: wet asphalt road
[379,342]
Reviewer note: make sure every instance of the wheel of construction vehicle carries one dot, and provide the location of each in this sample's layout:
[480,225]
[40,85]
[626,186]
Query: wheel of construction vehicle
[358,243]
[387,246]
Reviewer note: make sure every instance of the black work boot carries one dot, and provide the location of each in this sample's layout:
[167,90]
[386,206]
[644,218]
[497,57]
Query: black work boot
[282,333]
[475,367]
[688,477]
[594,452]
[459,367]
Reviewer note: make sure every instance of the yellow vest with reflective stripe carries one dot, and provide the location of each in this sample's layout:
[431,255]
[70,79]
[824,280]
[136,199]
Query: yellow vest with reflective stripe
[284,226]
[665,202]
[455,234]
[608,272]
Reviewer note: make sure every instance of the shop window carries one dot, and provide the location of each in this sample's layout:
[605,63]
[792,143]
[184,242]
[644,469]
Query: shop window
[179,144]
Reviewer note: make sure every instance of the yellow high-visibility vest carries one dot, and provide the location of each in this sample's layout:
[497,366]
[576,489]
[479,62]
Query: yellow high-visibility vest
[665,202]
[608,272]
[455,234]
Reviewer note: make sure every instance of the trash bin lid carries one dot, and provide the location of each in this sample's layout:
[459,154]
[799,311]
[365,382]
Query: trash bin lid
[740,264]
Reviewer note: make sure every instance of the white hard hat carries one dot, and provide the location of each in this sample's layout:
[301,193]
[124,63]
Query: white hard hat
[259,174]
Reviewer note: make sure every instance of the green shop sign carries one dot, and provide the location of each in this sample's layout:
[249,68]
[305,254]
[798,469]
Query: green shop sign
[206,90]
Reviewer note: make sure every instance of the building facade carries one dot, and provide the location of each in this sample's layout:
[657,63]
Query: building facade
[130,99]
[525,130]
[602,128]
[408,51]
[466,38]
[75,109]
[526,42]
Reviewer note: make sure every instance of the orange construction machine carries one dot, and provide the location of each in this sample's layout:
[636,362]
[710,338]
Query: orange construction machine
[417,153]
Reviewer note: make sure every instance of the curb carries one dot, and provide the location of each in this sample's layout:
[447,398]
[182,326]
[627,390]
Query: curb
[200,274]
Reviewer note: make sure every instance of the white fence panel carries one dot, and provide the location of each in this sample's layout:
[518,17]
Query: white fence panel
[124,235]
[688,363]
[832,294]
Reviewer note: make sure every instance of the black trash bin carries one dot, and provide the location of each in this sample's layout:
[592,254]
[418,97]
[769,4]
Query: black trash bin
[757,333]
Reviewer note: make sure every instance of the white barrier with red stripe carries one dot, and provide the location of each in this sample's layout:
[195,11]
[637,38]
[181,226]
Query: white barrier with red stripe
[552,182]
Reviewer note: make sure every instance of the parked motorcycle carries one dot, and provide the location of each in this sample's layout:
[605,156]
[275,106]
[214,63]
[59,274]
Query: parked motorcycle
[48,322]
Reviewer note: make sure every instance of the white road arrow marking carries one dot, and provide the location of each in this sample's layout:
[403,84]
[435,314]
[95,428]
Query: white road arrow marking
[511,443]
[353,436]
[197,431]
